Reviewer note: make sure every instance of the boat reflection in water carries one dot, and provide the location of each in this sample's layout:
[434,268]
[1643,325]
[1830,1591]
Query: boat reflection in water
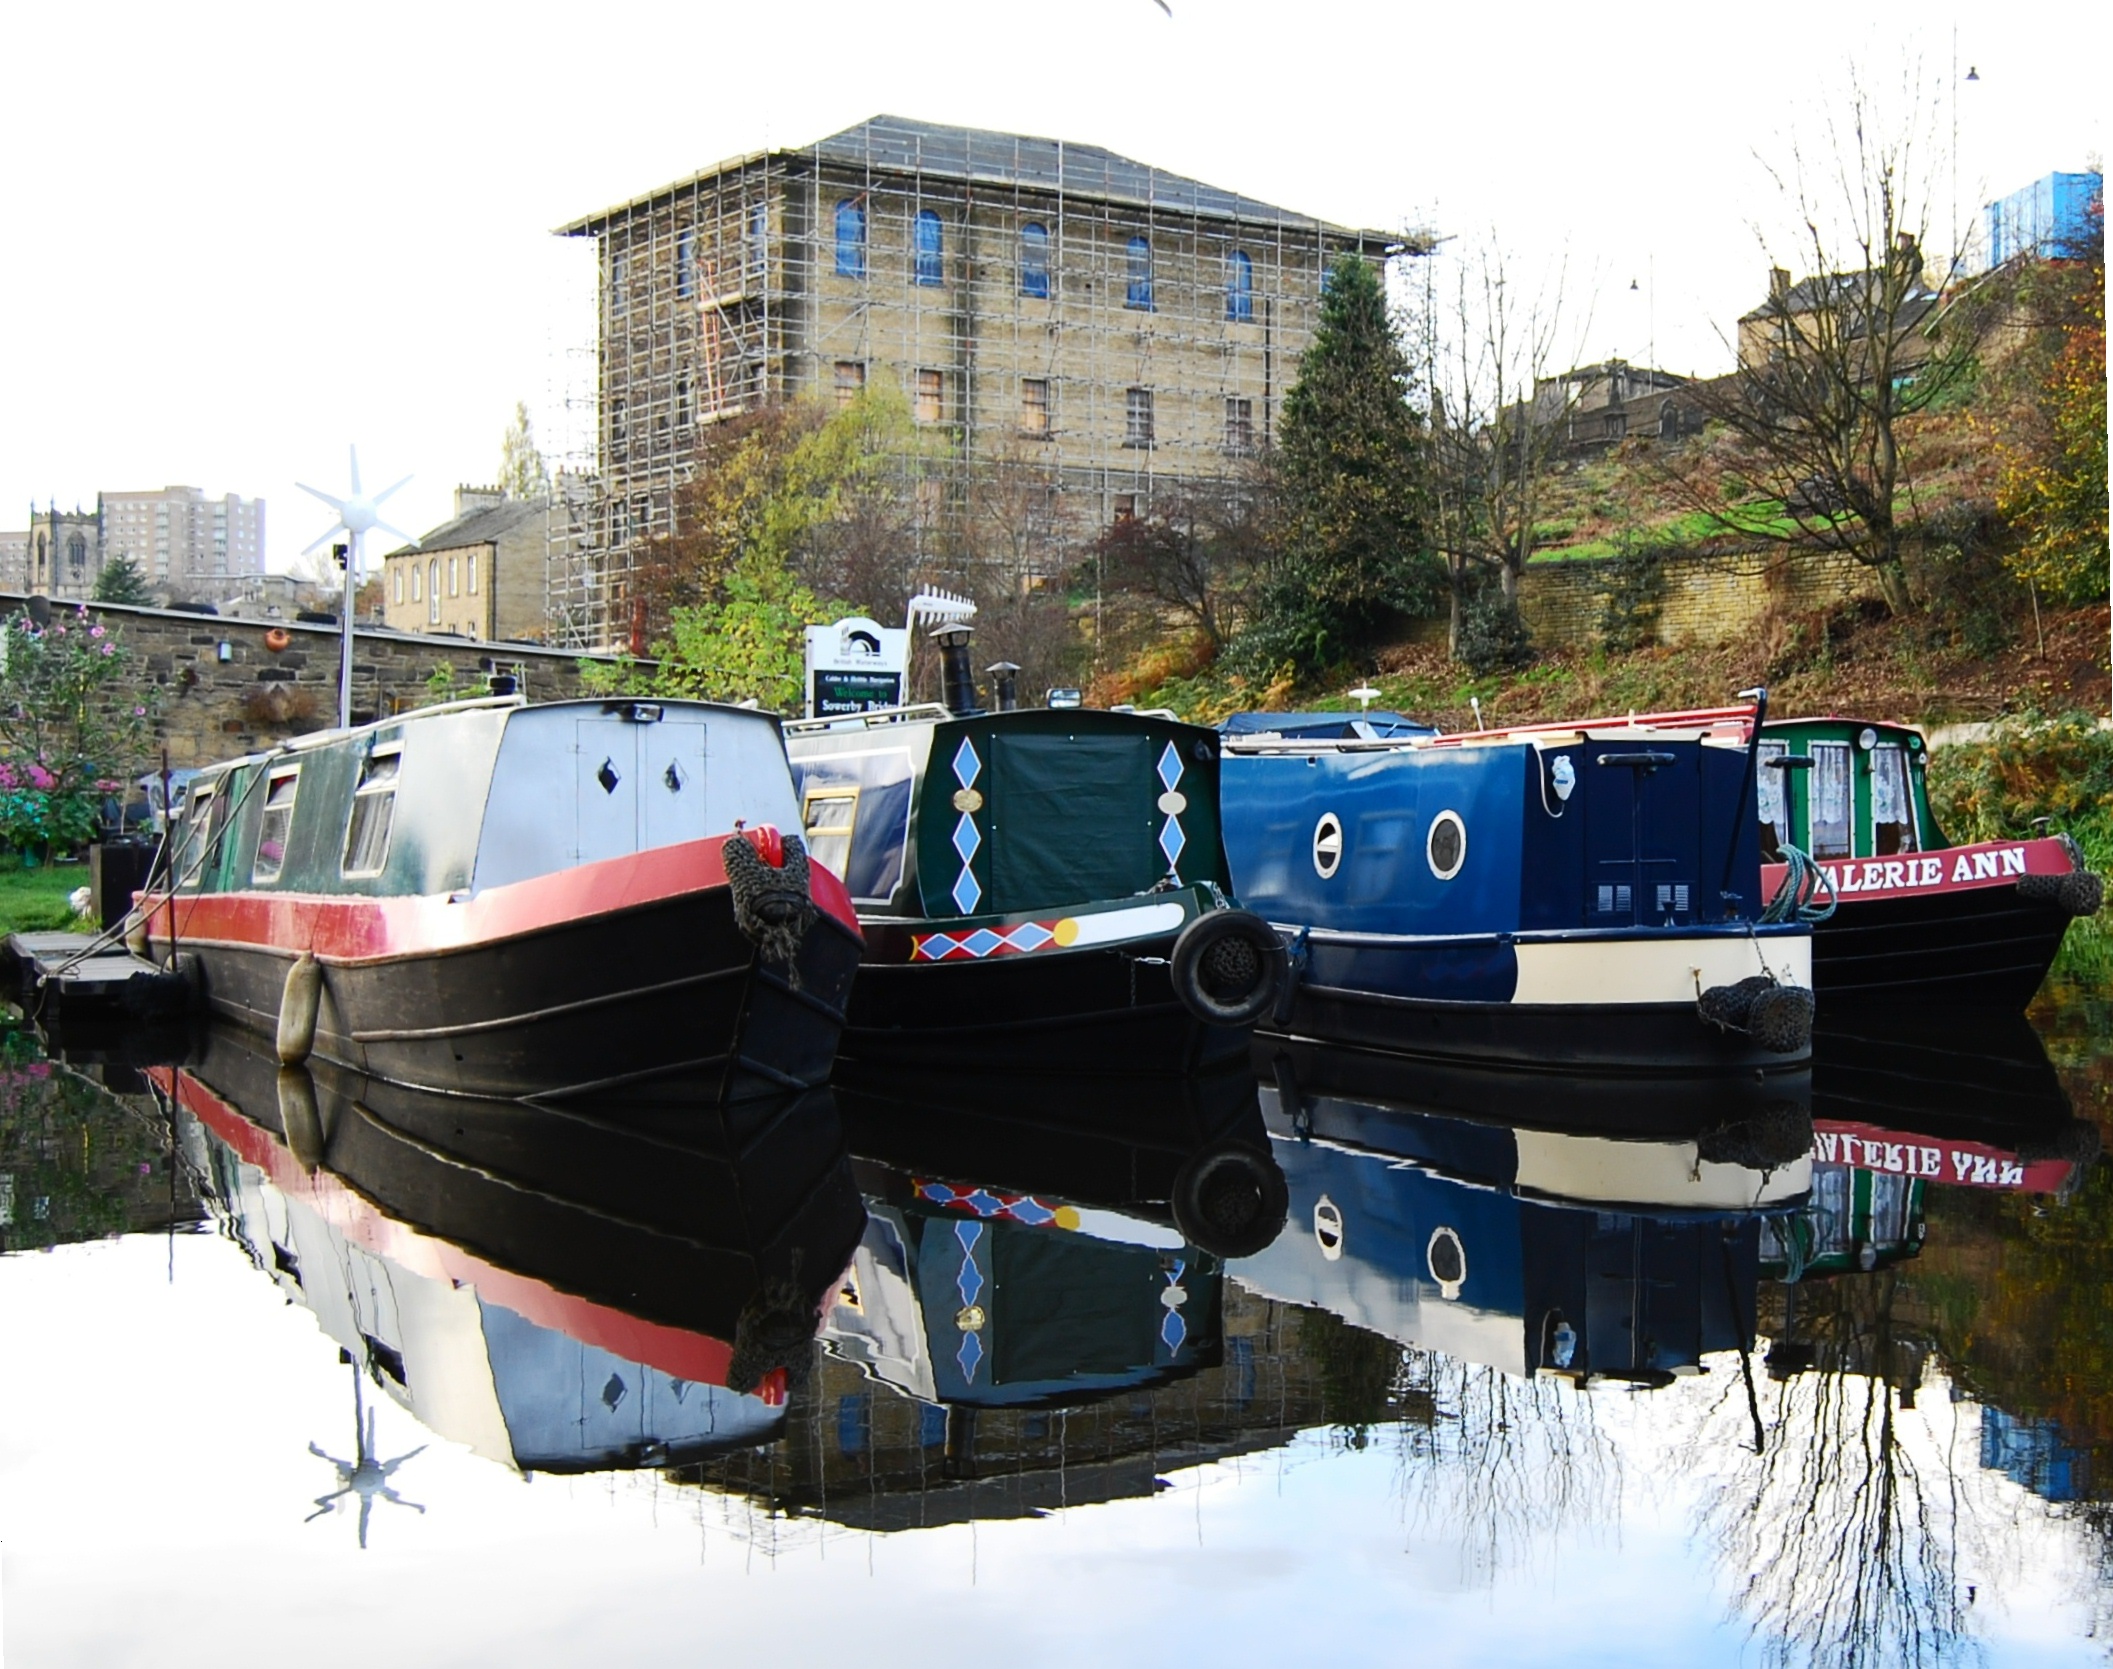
[484,1261]
[1582,1243]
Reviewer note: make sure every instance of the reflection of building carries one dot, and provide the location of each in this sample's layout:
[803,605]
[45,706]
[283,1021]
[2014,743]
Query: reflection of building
[2032,1453]
[858,1453]
[1099,328]
[478,575]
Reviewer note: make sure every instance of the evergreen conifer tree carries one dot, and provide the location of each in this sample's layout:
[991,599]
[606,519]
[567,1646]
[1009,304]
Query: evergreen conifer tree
[1353,551]
[120,582]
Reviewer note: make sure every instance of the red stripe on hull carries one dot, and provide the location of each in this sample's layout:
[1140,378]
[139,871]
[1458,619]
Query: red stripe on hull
[348,928]
[1994,863]
[691,1356]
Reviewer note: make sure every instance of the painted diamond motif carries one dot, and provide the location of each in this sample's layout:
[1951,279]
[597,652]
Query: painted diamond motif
[1169,767]
[967,767]
[982,942]
[937,1192]
[970,1281]
[968,841]
[1174,1330]
[967,891]
[1031,935]
[1032,1212]
[937,948]
[970,1356]
[1172,840]
[983,1203]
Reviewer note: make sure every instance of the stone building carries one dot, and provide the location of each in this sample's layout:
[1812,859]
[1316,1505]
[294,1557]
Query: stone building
[1599,406]
[64,552]
[1095,330]
[478,575]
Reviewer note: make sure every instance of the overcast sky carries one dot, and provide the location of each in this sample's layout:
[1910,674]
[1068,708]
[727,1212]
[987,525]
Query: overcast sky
[241,236]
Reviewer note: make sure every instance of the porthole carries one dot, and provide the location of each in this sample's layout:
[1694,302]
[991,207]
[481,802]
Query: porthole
[1446,845]
[1328,1227]
[1327,845]
[1446,1259]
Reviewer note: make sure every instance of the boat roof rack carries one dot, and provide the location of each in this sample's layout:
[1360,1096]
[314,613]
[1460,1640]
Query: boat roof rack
[868,719]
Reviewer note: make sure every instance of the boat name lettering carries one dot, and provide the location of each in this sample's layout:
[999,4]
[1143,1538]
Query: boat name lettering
[1962,1164]
[1893,874]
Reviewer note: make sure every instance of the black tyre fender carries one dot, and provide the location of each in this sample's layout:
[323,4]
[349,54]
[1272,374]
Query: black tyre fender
[1230,1200]
[1227,967]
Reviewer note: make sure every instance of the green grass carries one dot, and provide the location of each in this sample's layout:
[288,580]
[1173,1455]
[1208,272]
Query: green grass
[34,900]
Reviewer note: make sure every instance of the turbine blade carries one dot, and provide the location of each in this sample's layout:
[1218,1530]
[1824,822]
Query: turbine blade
[384,527]
[386,491]
[330,499]
[355,472]
[324,539]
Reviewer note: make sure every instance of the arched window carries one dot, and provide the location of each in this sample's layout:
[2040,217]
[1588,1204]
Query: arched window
[931,249]
[685,264]
[1240,287]
[433,592]
[454,577]
[1034,259]
[416,582]
[1139,293]
[850,239]
[77,554]
[399,582]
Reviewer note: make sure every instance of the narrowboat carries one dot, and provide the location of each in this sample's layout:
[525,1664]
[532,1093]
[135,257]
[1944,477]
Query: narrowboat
[1577,896]
[565,901]
[1903,918]
[699,1243]
[1037,887]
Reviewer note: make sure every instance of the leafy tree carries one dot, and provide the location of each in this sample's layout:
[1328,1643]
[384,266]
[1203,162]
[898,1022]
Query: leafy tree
[120,582]
[1352,550]
[522,472]
[70,732]
[2052,488]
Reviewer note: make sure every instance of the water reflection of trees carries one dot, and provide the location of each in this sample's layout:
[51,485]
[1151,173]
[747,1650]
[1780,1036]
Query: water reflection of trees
[1840,1538]
[1500,1464]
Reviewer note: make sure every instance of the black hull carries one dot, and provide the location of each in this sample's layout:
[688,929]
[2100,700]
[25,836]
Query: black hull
[586,1010]
[681,1232]
[1635,1039]
[1990,1082]
[1086,1011]
[1979,948]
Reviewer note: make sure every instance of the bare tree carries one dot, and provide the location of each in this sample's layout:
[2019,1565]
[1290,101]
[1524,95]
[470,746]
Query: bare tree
[1193,559]
[1497,416]
[1832,365]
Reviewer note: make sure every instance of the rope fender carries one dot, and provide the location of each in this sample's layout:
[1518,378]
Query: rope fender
[2079,893]
[1777,1017]
[772,906]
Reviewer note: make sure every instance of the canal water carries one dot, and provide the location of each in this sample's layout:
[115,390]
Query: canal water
[1529,1373]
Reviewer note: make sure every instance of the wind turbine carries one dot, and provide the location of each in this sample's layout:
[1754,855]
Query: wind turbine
[357,513]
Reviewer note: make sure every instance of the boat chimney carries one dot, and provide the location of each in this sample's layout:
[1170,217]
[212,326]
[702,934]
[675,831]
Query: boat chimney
[956,682]
[1005,685]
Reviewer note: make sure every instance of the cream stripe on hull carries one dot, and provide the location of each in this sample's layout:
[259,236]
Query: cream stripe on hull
[1569,972]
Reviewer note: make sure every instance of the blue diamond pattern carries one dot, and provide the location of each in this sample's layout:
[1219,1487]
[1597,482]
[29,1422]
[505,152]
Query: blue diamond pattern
[967,767]
[1174,1330]
[938,946]
[970,1281]
[1172,840]
[970,1355]
[967,891]
[1030,936]
[1032,1212]
[968,840]
[982,942]
[937,1192]
[1169,767]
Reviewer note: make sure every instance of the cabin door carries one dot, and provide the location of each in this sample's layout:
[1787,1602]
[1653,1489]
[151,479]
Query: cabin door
[671,780]
[640,783]
[1641,825]
[605,796]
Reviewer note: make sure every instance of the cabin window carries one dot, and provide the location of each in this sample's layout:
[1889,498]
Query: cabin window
[373,810]
[829,817]
[1830,800]
[1772,790]
[1892,807]
[201,824]
[277,826]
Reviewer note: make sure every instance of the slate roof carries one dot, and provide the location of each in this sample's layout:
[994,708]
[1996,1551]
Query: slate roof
[478,527]
[900,145]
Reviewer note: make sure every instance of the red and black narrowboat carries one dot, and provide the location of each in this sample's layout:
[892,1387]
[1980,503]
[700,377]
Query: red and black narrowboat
[1903,918]
[559,901]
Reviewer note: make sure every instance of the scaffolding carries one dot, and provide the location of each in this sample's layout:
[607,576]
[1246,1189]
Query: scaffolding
[1074,334]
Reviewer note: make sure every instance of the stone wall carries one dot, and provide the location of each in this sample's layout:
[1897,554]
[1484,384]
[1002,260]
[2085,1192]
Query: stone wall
[222,689]
[1700,599]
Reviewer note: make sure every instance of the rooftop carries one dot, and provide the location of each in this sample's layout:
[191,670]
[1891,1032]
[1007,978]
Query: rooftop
[899,145]
[477,527]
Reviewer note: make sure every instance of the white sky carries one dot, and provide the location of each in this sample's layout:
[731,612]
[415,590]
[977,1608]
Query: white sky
[240,235]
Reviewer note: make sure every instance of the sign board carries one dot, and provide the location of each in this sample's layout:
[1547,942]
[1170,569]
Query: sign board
[855,666]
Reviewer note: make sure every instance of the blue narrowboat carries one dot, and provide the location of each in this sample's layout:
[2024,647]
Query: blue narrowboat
[1037,887]
[1579,896]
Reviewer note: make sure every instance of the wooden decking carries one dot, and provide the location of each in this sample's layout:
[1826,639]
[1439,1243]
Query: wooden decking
[55,978]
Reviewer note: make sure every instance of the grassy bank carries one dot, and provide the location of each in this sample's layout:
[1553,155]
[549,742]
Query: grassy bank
[34,900]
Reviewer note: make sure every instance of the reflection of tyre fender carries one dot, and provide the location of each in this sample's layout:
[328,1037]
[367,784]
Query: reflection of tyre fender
[1230,1201]
[1227,967]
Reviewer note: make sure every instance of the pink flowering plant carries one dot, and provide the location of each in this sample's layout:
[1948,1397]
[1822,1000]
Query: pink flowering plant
[72,729]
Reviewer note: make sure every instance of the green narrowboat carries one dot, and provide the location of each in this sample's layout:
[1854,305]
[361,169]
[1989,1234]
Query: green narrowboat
[1902,917]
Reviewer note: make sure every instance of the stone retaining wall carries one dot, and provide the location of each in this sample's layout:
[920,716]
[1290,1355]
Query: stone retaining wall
[222,689]
[1701,599]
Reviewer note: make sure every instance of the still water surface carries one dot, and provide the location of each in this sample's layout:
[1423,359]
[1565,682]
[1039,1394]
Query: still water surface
[480,1387]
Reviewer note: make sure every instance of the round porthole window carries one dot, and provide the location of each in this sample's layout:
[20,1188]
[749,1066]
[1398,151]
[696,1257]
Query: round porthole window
[1447,1260]
[1328,1227]
[1327,846]
[1446,845]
